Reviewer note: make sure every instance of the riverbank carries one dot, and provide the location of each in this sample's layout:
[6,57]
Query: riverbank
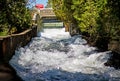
[104,44]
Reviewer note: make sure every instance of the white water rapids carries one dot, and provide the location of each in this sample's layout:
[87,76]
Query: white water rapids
[55,56]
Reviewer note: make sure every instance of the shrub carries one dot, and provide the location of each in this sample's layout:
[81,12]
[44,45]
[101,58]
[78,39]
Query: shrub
[14,16]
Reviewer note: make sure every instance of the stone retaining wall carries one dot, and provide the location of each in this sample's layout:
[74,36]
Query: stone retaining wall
[8,44]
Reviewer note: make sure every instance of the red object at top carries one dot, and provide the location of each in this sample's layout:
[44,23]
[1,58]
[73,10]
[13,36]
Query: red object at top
[39,6]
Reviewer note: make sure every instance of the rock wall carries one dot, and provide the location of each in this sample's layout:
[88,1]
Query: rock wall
[9,44]
[114,46]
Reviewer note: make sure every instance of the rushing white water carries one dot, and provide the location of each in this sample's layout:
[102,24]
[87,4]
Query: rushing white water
[55,56]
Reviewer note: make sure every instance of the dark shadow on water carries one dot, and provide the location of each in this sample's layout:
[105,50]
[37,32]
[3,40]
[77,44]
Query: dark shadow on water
[7,73]
[114,60]
[60,75]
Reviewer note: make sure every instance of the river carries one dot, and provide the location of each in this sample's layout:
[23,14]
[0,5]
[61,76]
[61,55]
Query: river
[56,56]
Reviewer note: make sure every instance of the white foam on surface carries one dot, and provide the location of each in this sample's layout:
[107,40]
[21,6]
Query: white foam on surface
[55,56]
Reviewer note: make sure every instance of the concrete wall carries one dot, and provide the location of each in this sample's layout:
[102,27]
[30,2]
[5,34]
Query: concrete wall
[9,44]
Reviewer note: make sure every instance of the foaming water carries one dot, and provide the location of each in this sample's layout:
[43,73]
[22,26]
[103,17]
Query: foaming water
[55,56]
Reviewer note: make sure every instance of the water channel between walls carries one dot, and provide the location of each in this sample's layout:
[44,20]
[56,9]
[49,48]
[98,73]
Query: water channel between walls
[56,56]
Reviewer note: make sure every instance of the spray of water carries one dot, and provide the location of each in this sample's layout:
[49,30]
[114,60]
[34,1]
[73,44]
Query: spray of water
[55,56]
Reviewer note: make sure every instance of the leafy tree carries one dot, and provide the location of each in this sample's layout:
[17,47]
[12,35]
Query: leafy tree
[97,19]
[57,6]
[19,15]
[2,16]
[59,9]
[49,4]
[15,16]
[109,20]
[86,12]
[64,12]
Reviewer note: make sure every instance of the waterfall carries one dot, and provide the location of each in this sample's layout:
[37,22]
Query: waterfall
[56,56]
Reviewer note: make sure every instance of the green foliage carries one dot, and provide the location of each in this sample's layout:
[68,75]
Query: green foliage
[86,12]
[114,6]
[58,8]
[63,11]
[49,4]
[109,22]
[14,16]
[97,18]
